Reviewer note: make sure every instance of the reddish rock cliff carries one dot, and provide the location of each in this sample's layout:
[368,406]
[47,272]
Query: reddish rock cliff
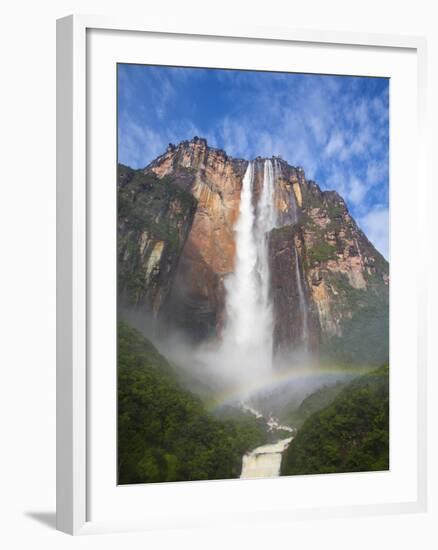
[214,179]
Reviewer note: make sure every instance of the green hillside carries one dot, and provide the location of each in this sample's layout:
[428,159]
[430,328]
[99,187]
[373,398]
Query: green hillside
[349,435]
[314,402]
[164,432]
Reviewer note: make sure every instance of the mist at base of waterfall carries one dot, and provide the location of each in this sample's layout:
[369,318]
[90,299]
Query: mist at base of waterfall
[220,377]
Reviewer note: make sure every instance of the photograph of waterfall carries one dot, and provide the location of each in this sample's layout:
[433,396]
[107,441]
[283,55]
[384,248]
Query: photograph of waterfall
[253,274]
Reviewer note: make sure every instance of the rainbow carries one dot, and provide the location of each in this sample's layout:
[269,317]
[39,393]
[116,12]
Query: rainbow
[298,374]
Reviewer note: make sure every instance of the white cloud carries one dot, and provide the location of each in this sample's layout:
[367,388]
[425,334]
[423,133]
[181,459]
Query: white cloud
[377,171]
[335,144]
[318,127]
[361,141]
[379,106]
[375,225]
[138,143]
[356,191]
[360,113]
[234,137]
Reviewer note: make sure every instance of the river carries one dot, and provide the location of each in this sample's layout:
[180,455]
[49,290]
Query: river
[265,461]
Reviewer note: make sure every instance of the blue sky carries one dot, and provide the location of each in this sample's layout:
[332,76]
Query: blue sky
[335,127]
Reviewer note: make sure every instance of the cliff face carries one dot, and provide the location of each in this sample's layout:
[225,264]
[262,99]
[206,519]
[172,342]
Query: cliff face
[154,219]
[197,299]
[328,281]
[293,314]
[342,266]
[346,278]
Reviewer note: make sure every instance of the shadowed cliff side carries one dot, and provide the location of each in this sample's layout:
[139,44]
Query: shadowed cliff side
[154,219]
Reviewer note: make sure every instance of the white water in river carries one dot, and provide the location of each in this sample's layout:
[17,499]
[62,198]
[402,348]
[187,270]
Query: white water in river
[265,461]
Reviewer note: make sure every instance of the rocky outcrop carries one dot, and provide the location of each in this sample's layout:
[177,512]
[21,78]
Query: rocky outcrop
[344,270]
[154,218]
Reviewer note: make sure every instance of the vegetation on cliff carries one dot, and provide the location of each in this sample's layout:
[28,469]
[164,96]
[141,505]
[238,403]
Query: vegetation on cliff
[144,201]
[150,212]
[321,252]
[365,334]
[164,431]
[349,435]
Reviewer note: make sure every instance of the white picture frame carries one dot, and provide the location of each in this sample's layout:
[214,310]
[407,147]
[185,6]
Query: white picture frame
[74,397]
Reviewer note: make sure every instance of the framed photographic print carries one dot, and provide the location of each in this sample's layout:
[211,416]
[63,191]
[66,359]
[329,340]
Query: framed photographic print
[240,294]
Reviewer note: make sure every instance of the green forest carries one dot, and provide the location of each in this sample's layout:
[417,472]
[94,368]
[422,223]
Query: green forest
[349,435]
[319,399]
[165,433]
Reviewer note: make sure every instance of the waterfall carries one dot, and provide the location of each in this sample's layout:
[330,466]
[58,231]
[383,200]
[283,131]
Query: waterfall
[266,221]
[248,332]
[242,288]
[302,303]
[245,355]
[267,210]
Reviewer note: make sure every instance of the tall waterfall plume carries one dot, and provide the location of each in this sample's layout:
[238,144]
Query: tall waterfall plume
[248,333]
[245,354]
[266,220]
